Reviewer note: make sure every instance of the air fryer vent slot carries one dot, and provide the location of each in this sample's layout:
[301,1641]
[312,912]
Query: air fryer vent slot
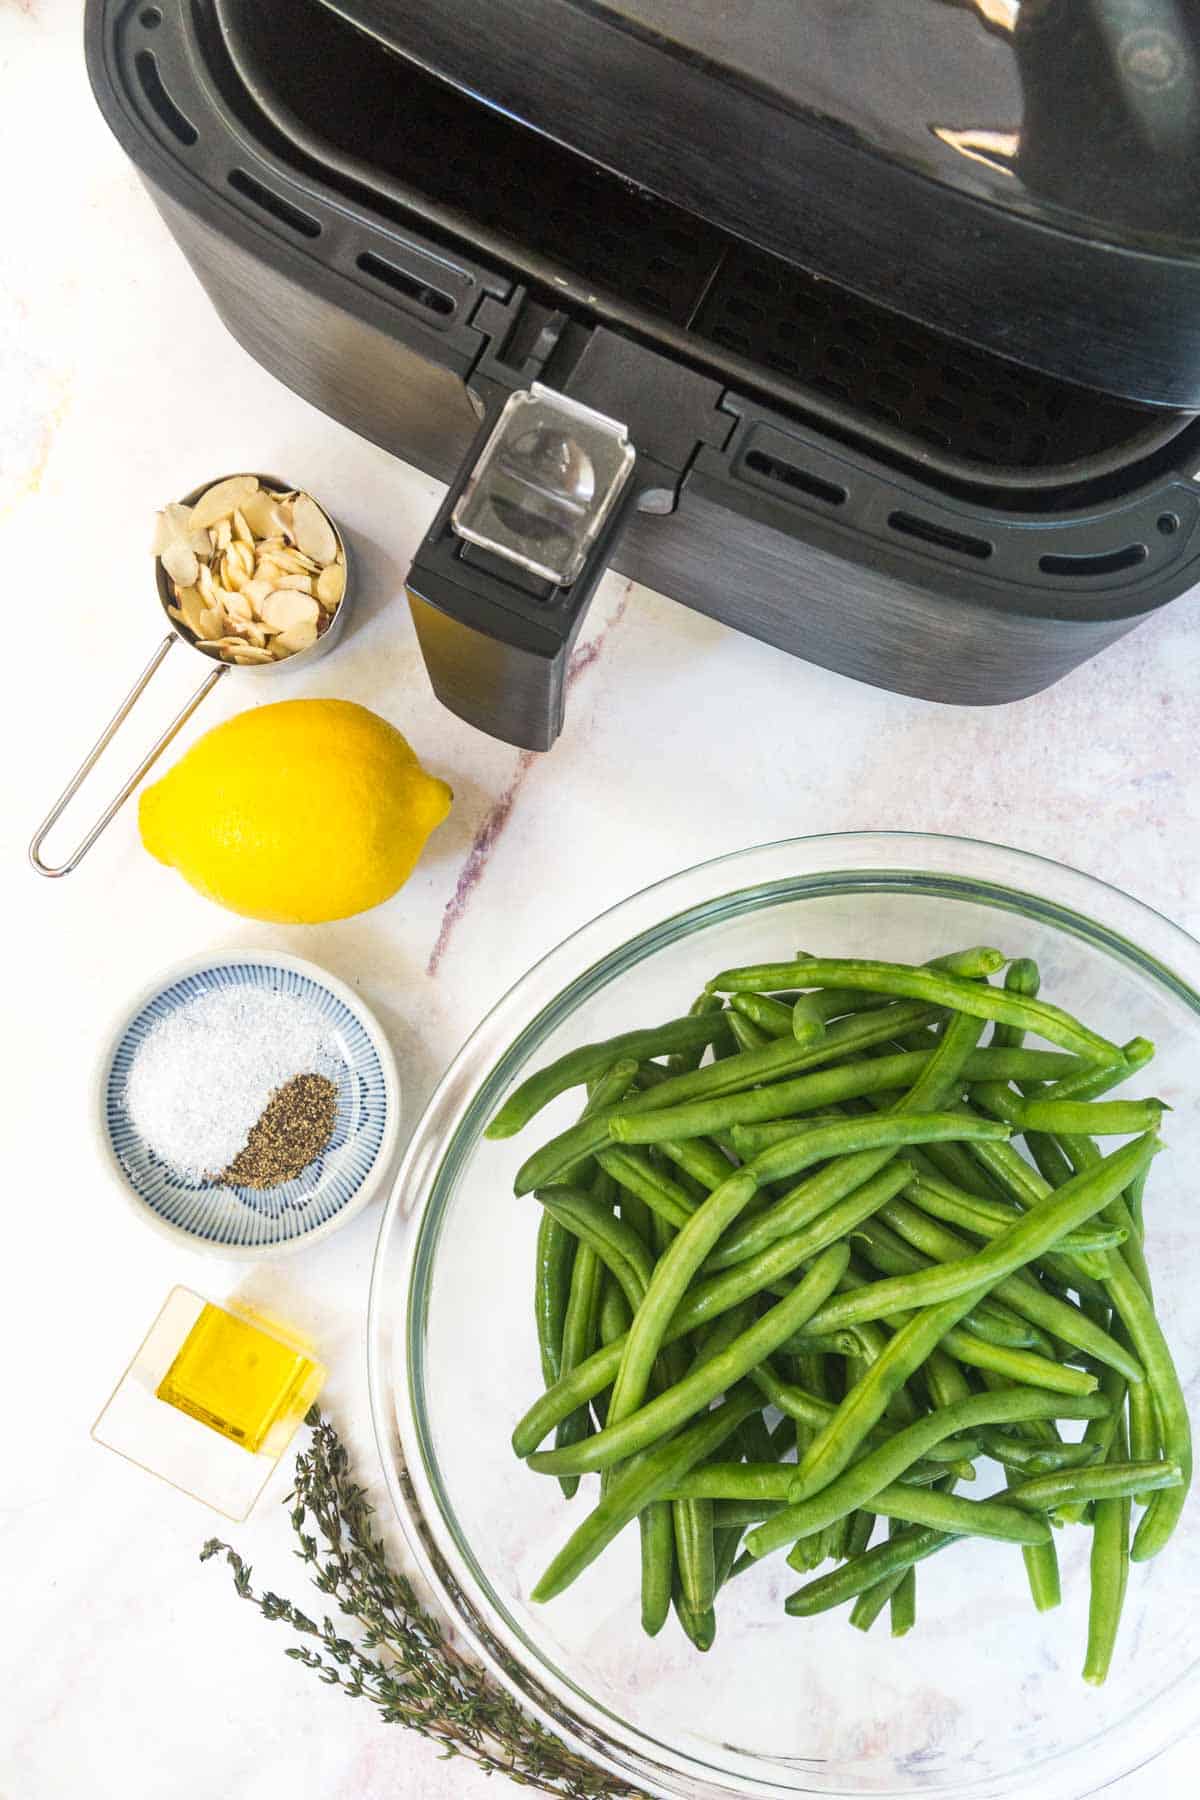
[146,64]
[946,539]
[430,298]
[1107,562]
[775,469]
[275,204]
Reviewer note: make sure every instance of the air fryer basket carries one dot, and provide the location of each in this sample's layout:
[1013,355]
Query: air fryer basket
[807,467]
[389,127]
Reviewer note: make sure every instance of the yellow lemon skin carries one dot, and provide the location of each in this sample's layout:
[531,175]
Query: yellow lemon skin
[296,813]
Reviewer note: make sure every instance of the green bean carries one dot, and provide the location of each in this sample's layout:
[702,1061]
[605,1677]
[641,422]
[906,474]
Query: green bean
[705,1302]
[1104,1481]
[1041,1560]
[742,1513]
[680,1062]
[807,1093]
[577,1341]
[694,1242]
[555,1266]
[1023,1296]
[973,964]
[988,1218]
[697,1158]
[871,1601]
[940,1080]
[1144,1438]
[1089,1084]
[903,1600]
[909,1546]
[614,1311]
[745,1033]
[694,1556]
[968,1280]
[1037,1459]
[579,1066]
[931,986]
[810,1200]
[1134,1195]
[626,1434]
[808,1021]
[862,1525]
[618,1247]
[840,1137]
[643,1479]
[975,1518]
[959,1282]
[862,1481]
[811,1411]
[727,1541]
[552,1286]
[837,1343]
[1085,1155]
[633,1171]
[1098,1118]
[1145,1333]
[1109,1576]
[774,1060]
[657,1536]
[735,1481]
[700,1628]
[769,1015]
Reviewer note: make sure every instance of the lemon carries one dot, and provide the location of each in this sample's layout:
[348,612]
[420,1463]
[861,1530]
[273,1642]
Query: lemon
[300,812]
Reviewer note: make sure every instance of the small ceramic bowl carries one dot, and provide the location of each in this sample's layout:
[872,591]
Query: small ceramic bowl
[251,1223]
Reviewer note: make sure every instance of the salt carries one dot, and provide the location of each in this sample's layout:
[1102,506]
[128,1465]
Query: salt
[202,1077]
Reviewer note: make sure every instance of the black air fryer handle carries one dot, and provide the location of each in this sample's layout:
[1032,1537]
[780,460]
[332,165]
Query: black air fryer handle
[497,640]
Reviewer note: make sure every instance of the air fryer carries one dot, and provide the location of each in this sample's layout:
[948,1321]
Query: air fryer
[873,332]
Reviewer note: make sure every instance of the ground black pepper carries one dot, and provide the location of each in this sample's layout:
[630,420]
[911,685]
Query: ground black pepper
[295,1127]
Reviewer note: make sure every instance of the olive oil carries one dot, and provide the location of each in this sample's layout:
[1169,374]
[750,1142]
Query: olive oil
[240,1380]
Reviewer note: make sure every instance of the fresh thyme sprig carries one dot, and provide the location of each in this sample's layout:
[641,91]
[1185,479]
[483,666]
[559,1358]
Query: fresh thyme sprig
[399,1658]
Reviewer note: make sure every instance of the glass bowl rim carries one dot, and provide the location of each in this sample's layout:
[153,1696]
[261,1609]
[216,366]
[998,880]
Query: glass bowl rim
[482,1071]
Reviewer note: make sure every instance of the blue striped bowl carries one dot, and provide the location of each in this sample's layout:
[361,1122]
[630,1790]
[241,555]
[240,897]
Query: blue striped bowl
[246,1222]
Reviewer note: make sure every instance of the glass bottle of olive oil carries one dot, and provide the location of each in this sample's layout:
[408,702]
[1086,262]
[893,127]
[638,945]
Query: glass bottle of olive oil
[241,1380]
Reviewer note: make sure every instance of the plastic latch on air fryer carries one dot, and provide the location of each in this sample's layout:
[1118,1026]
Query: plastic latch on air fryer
[583,415]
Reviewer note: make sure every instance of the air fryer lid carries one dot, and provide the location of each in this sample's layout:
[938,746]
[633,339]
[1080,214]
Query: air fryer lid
[1022,174]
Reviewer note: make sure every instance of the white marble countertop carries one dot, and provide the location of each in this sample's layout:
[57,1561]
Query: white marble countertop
[128,1669]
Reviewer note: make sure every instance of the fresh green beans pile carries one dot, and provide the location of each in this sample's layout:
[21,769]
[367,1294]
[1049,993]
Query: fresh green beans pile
[794,1277]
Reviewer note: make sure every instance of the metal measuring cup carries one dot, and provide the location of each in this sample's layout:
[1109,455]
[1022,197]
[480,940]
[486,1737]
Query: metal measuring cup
[177,633]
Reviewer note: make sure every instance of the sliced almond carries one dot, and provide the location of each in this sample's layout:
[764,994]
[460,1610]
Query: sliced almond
[295,561]
[285,609]
[256,591]
[191,608]
[262,514]
[178,543]
[248,653]
[219,501]
[237,565]
[181,564]
[237,606]
[312,530]
[331,585]
[299,637]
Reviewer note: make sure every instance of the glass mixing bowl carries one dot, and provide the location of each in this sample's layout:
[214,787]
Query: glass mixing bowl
[984,1698]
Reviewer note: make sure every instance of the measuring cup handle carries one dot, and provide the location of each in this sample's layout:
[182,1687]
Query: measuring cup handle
[97,750]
